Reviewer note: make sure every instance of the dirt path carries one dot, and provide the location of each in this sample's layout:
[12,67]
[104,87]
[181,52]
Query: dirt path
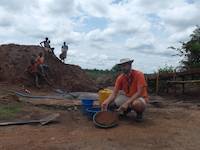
[173,127]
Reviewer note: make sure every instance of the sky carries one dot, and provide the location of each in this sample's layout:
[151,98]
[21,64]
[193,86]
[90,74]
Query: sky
[101,32]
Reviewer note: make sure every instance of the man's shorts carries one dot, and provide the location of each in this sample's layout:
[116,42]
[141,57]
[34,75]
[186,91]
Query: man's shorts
[121,99]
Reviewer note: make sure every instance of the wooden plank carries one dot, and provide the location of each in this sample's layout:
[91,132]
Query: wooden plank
[171,75]
[183,82]
[42,121]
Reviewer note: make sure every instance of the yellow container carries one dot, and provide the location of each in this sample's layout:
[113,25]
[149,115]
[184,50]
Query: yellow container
[104,94]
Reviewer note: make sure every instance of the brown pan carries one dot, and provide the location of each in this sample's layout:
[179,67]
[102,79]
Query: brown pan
[106,119]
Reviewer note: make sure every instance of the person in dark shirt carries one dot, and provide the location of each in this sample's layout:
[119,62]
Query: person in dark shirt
[46,45]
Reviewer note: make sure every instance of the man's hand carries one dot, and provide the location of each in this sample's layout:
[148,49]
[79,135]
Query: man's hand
[123,107]
[104,105]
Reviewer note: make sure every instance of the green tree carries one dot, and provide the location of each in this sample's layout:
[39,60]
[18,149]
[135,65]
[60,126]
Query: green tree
[190,50]
[115,69]
[166,69]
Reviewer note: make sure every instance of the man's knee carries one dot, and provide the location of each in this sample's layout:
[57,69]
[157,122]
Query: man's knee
[139,105]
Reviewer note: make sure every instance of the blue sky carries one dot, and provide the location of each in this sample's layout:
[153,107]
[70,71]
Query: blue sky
[102,32]
[92,23]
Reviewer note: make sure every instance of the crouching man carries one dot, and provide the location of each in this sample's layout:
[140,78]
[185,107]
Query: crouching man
[134,91]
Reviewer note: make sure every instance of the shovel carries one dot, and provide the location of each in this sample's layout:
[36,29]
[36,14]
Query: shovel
[42,121]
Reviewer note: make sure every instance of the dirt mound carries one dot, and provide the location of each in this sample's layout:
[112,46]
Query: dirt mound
[105,81]
[14,59]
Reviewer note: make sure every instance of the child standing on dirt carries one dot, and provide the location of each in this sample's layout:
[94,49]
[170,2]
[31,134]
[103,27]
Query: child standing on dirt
[42,67]
[33,71]
[64,50]
[40,63]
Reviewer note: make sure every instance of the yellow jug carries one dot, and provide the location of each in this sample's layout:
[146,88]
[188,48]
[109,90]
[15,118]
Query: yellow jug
[104,94]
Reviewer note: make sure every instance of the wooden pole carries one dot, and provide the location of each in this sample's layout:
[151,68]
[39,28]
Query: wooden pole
[157,83]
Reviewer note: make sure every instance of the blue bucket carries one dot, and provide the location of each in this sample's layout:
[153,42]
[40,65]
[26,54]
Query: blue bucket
[92,111]
[86,103]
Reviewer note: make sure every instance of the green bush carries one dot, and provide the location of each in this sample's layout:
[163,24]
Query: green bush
[166,69]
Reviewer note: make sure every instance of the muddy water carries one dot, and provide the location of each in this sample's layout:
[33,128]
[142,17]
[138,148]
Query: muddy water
[106,118]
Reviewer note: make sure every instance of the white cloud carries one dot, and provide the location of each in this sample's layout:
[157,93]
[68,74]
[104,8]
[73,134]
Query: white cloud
[95,8]
[182,16]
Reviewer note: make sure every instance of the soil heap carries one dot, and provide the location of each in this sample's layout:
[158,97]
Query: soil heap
[14,59]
